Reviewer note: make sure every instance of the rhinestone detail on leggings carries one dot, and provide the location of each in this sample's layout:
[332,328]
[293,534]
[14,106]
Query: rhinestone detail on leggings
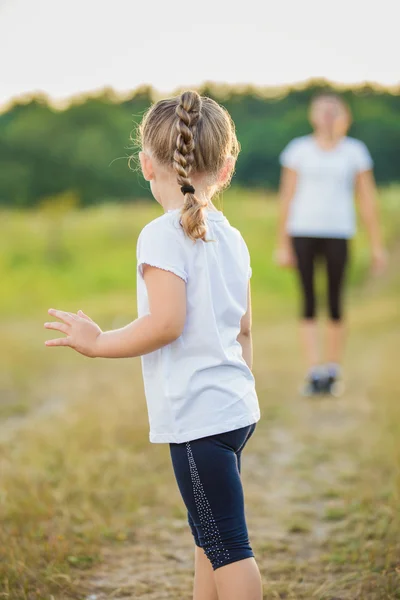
[213,545]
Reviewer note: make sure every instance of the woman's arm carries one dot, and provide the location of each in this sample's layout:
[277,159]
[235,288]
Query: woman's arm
[164,323]
[366,195]
[287,188]
[245,337]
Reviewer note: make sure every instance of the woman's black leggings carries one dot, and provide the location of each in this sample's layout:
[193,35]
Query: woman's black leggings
[335,253]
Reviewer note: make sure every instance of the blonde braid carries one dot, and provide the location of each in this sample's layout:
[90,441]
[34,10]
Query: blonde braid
[188,113]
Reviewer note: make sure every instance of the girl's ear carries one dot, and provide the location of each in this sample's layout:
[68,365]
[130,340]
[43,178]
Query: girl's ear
[146,165]
[226,172]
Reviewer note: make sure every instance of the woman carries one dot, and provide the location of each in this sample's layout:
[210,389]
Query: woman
[320,173]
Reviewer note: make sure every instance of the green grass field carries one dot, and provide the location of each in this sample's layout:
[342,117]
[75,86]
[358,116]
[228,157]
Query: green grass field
[89,506]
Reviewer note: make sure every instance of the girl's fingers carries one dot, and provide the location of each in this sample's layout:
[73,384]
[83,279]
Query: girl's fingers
[58,326]
[73,316]
[82,314]
[59,342]
[61,314]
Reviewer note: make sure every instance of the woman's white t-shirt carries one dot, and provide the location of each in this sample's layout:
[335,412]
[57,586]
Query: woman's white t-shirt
[199,385]
[323,204]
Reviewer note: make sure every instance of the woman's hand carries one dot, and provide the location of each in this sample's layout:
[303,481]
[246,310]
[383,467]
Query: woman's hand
[284,256]
[379,260]
[82,333]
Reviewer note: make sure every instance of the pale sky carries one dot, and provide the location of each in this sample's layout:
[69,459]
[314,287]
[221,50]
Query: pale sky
[63,48]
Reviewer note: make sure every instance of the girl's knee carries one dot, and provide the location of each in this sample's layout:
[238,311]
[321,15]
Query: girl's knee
[231,557]
[223,550]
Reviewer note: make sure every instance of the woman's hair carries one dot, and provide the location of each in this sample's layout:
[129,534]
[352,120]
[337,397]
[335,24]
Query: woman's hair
[329,95]
[193,135]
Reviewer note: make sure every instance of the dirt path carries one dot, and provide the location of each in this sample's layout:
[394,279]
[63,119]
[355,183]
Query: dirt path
[300,471]
[297,472]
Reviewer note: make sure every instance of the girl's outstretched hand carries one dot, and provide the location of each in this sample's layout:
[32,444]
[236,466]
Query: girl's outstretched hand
[81,332]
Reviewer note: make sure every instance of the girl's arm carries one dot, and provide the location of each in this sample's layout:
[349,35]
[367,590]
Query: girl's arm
[287,188]
[245,337]
[164,323]
[366,195]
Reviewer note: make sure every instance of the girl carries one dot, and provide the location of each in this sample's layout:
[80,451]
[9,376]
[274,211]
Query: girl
[317,218]
[194,335]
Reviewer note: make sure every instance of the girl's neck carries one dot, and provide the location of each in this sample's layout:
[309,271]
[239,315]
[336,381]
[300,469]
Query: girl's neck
[171,197]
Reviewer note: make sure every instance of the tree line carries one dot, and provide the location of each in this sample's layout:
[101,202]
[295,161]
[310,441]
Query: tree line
[83,149]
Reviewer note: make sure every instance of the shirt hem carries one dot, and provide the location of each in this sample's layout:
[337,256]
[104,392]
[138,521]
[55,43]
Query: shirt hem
[170,438]
[321,234]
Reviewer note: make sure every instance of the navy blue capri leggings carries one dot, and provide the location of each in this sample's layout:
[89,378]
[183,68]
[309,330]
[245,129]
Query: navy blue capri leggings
[207,471]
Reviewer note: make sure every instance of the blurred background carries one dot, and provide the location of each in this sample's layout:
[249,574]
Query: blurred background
[88,507]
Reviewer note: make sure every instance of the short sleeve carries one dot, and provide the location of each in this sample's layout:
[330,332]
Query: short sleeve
[362,157]
[159,245]
[291,155]
[246,257]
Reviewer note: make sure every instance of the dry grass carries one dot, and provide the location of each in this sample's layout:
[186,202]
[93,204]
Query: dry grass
[88,506]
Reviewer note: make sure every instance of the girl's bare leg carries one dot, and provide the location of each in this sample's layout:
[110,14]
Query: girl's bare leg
[240,580]
[204,581]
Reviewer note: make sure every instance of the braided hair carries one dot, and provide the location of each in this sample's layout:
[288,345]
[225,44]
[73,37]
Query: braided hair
[191,134]
[188,113]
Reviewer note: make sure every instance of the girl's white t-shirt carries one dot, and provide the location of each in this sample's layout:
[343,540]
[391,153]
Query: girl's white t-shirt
[323,203]
[199,385]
